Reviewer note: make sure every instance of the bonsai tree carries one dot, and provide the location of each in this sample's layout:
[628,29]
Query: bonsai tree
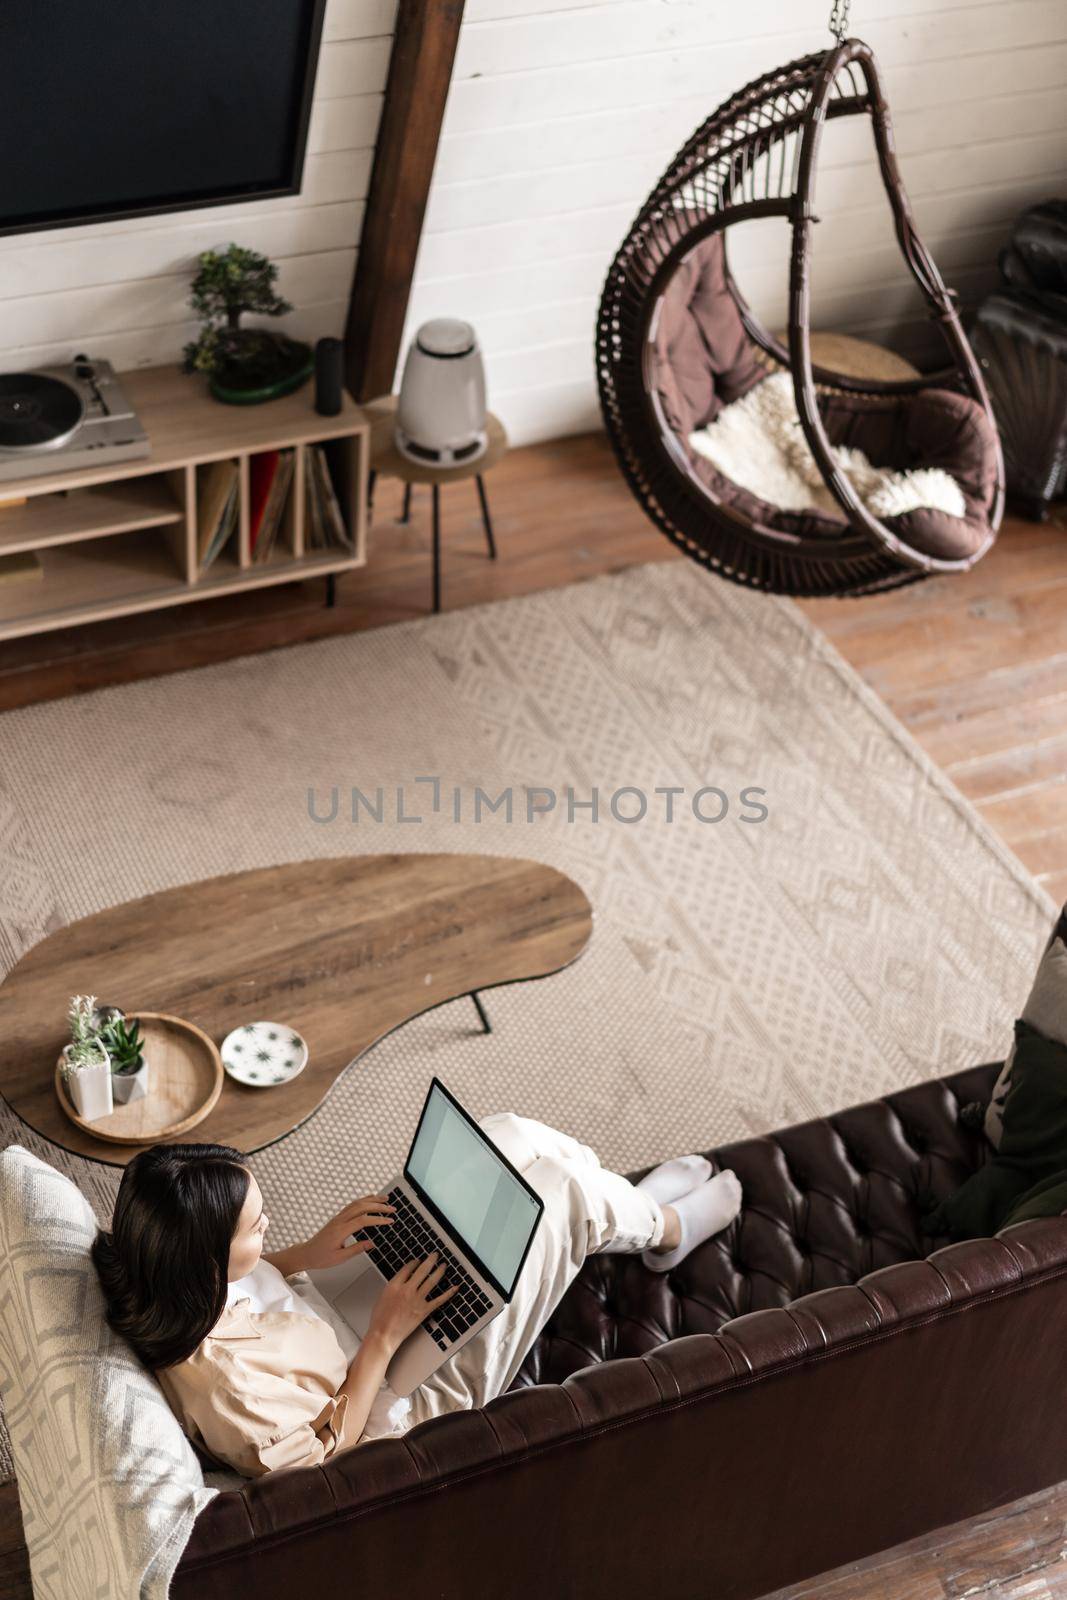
[230,283]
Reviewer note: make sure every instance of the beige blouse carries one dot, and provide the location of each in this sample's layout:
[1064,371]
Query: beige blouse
[260,1391]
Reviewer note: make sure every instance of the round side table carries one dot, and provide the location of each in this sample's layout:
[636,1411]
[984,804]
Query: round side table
[857,358]
[386,461]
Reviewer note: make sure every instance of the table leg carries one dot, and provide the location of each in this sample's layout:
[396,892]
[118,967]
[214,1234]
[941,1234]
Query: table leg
[371,479]
[485,516]
[437,547]
[487,1026]
[405,515]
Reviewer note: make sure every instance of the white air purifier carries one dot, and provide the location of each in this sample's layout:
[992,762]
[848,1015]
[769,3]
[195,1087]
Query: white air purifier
[440,413]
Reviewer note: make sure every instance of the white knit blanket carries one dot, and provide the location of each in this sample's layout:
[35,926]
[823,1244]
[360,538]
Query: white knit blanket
[108,1483]
[758,443]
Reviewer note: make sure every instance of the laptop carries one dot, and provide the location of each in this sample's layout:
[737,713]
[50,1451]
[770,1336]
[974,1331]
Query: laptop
[458,1194]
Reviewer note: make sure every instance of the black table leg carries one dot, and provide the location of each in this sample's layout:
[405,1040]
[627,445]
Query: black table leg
[437,547]
[485,516]
[487,1026]
[405,515]
[371,479]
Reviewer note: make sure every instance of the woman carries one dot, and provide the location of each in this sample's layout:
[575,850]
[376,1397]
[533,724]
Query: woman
[260,1369]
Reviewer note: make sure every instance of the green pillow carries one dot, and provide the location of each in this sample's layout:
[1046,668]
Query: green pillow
[1030,1165]
[1045,1010]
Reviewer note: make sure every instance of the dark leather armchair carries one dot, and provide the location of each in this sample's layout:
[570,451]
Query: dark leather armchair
[1020,339]
[818,1383]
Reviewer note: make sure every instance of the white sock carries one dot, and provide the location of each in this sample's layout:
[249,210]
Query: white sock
[702,1212]
[671,1179]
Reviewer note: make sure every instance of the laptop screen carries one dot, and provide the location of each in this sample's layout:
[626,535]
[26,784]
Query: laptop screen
[473,1188]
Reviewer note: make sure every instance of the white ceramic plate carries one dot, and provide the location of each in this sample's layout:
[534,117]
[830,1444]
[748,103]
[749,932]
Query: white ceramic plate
[262,1054]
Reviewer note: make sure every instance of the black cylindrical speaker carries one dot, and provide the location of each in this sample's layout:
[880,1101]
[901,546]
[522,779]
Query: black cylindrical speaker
[328,379]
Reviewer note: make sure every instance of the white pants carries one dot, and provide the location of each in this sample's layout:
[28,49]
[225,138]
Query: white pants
[587,1209]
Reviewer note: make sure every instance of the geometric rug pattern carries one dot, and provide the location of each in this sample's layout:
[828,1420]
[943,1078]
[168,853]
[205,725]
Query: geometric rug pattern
[868,932]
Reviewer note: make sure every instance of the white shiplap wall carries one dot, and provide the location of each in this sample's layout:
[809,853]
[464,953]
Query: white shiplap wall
[561,116]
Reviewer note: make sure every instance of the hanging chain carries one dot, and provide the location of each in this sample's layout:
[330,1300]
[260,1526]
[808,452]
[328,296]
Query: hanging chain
[839,20]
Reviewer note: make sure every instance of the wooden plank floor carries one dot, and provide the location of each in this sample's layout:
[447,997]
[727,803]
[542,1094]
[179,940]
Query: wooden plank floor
[974,666]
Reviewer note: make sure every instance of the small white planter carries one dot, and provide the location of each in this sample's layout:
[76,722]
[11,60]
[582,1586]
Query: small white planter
[127,1086]
[90,1087]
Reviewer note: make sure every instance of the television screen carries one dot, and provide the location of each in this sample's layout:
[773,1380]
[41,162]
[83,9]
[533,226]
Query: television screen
[109,108]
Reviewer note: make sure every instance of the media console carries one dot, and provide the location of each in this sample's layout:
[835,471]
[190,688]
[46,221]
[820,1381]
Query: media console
[122,537]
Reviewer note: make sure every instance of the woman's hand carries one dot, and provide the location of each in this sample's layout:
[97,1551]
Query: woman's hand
[327,1248]
[407,1300]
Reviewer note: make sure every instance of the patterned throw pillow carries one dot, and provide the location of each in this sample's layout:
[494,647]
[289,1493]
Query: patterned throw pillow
[1045,1010]
[108,1482]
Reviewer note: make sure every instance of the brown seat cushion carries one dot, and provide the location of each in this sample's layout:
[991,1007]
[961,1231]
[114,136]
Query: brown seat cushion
[934,428]
[701,358]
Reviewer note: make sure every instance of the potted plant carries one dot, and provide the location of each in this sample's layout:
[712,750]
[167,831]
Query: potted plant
[124,1043]
[86,1065]
[244,366]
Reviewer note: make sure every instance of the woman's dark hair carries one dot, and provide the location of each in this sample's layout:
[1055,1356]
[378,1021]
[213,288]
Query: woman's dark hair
[163,1267]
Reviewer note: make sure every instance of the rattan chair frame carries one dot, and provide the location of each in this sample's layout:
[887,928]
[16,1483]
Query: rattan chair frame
[713,182]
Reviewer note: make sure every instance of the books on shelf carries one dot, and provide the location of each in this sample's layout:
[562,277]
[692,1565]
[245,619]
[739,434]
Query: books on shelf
[270,479]
[270,475]
[324,525]
[217,505]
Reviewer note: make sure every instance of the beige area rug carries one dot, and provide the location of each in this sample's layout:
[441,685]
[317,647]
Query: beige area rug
[869,933]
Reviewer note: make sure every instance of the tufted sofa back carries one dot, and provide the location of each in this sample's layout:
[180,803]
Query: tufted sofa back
[825,1202]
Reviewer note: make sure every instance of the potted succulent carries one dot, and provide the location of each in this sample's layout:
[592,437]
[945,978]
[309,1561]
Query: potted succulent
[244,366]
[124,1043]
[85,1063]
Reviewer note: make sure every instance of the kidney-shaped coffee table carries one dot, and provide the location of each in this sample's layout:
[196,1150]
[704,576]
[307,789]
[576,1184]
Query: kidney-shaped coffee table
[342,950]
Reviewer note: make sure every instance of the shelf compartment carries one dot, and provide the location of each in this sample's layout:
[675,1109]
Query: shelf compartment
[82,583]
[90,580]
[285,545]
[343,463]
[110,508]
[236,541]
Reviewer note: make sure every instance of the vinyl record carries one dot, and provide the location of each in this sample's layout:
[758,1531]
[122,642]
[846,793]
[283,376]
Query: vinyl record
[37,412]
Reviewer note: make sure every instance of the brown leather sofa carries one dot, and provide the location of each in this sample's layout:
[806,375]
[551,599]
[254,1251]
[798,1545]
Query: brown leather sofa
[804,1390]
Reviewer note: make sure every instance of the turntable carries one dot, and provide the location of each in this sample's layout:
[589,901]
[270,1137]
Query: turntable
[58,419]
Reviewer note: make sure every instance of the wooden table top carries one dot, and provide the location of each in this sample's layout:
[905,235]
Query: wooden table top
[343,950]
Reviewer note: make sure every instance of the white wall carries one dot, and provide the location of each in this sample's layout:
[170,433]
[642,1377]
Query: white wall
[561,116]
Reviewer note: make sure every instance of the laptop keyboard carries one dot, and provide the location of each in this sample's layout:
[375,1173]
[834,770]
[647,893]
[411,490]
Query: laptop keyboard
[409,1237]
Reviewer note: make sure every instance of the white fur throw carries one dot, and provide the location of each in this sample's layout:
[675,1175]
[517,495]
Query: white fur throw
[758,443]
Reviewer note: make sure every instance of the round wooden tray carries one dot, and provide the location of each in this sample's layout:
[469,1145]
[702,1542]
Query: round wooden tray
[185,1079]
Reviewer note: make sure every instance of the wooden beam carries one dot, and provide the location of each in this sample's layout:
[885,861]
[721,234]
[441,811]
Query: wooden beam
[420,71]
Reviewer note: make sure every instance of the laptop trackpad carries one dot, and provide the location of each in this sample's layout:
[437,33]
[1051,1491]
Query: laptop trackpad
[356,1303]
[414,1360]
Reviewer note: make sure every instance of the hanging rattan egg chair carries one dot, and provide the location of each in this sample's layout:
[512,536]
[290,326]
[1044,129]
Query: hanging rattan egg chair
[676,343]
